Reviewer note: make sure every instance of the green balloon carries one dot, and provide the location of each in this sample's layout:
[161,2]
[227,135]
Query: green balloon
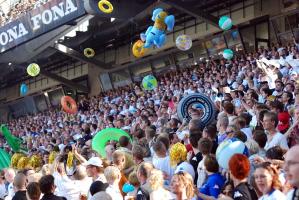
[149,82]
[102,137]
[4,159]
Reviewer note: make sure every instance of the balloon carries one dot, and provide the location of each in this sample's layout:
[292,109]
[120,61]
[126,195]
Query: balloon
[4,159]
[225,23]
[33,69]
[128,188]
[183,42]
[149,82]
[234,34]
[227,149]
[23,89]
[155,35]
[137,49]
[228,54]
[102,137]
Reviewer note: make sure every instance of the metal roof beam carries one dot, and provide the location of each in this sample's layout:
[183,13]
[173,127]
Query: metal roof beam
[193,11]
[79,56]
[65,81]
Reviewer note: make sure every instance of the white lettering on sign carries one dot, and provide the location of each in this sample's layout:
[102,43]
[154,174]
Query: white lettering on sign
[13,34]
[47,16]
[56,12]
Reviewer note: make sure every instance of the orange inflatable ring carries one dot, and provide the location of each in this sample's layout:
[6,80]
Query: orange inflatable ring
[137,49]
[69,105]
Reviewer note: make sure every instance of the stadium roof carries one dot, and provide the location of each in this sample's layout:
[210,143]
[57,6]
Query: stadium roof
[102,34]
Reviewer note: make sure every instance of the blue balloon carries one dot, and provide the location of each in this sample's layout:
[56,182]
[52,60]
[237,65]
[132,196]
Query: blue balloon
[234,34]
[23,89]
[128,188]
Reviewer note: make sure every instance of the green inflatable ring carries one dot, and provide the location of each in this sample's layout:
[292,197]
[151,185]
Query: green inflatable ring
[4,159]
[102,137]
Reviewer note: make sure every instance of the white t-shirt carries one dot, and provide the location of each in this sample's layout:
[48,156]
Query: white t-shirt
[83,185]
[2,191]
[114,193]
[248,132]
[202,175]
[11,192]
[276,195]
[185,167]
[160,193]
[163,164]
[66,187]
[277,140]
[290,195]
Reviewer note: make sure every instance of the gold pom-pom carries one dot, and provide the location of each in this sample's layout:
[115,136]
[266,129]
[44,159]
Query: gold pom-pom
[52,156]
[23,163]
[178,153]
[35,161]
[70,158]
[15,159]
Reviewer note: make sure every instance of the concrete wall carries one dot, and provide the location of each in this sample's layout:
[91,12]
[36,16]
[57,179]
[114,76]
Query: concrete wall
[94,80]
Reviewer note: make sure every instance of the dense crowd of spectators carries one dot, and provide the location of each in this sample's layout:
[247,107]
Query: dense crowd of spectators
[256,103]
[18,9]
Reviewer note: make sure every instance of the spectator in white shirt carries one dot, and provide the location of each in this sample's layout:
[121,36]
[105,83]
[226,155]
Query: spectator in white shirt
[274,138]
[205,147]
[9,177]
[241,124]
[94,169]
[161,161]
[113,176]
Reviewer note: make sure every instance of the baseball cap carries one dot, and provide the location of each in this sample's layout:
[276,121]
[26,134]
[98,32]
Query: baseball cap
[95,161]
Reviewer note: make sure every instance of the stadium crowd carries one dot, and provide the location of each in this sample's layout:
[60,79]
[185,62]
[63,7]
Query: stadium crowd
[171,159]
[18,9]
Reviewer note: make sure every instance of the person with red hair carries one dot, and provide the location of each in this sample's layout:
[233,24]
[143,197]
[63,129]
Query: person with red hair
[239,168]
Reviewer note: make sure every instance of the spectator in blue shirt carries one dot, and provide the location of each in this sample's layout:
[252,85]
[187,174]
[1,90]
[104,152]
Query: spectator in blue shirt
[215,181]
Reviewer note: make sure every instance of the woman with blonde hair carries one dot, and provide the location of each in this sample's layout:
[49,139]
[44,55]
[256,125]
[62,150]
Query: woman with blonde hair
[182,186]
[156,182]
[267,182]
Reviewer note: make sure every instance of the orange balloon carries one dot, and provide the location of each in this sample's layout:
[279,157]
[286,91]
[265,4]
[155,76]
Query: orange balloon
[138,50]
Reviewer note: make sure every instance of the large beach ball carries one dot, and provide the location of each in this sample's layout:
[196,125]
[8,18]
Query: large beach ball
[183,42]
[227,149]
[149,82]
[33,69]
[23,89]
[225,23]
[228,54]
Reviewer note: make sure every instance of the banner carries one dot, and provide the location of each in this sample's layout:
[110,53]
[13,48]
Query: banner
[41,20]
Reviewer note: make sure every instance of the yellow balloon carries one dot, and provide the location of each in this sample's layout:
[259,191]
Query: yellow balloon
[89,52]
[33,69]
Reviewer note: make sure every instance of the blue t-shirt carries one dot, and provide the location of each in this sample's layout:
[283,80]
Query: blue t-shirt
[213,185]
